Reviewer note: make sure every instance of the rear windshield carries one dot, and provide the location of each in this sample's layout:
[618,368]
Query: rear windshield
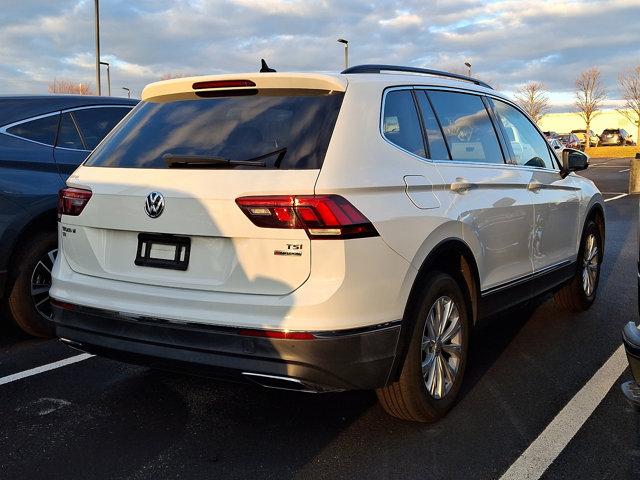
[238,128]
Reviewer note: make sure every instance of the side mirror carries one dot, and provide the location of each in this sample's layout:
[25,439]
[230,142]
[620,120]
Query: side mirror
[573,161]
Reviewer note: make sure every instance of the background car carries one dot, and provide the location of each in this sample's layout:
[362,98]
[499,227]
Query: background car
[593,138]
[550,134]
[615,136]
[42,140]
[555,144]
[569,140]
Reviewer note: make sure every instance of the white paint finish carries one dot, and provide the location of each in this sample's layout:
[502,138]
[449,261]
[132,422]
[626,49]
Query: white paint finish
[558,220]
[44,368]
[228,252]
[350,283]
[420,191]
[345,289]
[535,460]
[497,215]
[318,81]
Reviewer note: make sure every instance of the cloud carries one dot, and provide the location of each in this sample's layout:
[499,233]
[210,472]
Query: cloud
[508,42]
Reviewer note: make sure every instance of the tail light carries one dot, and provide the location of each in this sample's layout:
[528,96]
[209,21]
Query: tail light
[322,216]
[71,201]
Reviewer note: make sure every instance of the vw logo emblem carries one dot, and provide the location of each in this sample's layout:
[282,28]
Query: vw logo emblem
[154,204]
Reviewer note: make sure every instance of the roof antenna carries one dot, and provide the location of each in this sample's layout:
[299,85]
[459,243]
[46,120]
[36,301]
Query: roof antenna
[265,68]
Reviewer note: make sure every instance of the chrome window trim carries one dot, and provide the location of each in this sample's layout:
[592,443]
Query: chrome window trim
[4,128]
[429,160]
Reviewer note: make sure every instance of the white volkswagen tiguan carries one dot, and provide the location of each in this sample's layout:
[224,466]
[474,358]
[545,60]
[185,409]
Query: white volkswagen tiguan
[320,232]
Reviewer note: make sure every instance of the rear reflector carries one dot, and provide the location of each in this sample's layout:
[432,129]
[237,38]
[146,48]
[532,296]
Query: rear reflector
[278,334]
[322,216]
[71,201]
[223,84]
[62,305]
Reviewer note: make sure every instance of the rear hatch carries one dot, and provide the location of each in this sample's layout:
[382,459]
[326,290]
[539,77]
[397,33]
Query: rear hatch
[164,184]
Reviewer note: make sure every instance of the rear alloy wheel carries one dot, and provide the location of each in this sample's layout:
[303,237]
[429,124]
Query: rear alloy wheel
[28,301]
[441,347]
[41,283]
[434,365]
[580,292]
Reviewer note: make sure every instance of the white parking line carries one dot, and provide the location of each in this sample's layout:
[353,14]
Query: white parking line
[535,460]
[616,197]
[44,368]
[624,170]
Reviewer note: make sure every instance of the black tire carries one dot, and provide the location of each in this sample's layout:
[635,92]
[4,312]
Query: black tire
[409,398]
[21,304]
[574,295]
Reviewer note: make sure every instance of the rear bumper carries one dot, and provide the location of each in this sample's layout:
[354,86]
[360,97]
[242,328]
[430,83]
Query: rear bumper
[631,340]
[333,361]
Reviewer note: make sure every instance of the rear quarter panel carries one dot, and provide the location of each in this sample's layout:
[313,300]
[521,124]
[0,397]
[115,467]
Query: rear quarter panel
[363,167]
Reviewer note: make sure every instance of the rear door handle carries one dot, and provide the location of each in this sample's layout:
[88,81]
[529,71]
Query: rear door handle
[461,186]
[534,186]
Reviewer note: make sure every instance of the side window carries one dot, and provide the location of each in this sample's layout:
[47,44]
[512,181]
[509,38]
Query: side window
[528,147]
[400,123]
[467,127]
[435,140]
[42,130]
[68,136]
[95,123]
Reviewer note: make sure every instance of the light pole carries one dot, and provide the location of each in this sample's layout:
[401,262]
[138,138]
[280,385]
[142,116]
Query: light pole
[468,65]
[346,52]
[128,91]
[97,18]
[108,77]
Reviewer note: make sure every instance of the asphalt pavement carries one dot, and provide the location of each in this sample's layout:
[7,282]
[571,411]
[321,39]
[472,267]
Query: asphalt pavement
[98,418]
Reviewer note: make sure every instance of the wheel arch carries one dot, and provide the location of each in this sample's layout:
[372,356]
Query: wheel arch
[596,213]
[45,221]
[454,257]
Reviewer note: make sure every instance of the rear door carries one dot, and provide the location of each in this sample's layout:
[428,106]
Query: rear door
[81,130]
[176,149]
[490,196]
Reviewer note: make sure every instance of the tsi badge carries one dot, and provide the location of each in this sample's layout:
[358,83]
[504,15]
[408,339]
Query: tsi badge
[293,250]
[154,204]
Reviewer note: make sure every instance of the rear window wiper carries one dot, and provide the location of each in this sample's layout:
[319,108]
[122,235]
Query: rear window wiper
[209,161]
[206,161]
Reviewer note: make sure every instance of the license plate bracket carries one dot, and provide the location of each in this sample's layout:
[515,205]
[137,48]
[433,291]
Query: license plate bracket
[159,250]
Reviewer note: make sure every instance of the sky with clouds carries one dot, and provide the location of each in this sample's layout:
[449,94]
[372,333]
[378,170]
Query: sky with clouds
[507,42]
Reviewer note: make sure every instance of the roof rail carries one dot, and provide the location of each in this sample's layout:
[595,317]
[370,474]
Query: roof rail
[374,68]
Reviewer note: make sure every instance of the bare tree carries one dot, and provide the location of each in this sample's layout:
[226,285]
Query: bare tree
[68,86]
[533,99]
[590,94]
[630,87]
